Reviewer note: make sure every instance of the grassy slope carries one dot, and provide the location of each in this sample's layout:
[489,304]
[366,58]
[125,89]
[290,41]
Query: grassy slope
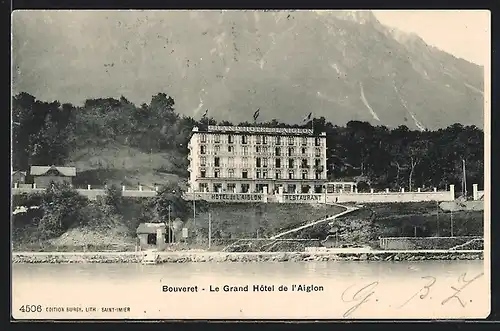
[365,225]
[115,163]
[233,220]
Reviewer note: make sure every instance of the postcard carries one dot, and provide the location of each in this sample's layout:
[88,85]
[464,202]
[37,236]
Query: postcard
[250,165]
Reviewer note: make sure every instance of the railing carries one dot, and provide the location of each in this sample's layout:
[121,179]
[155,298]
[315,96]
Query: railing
[91,193]
[412,243]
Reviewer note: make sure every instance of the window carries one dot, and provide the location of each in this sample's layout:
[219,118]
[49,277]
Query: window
[203,161]
[152,239]
[278,140]
[317,162]
[230,161]
[304,163]
[278,174]
[318,175]
[244,140]
[217,148]
[217,138]
[318,152]
[303,151]
[317,142]
[290,151]
[203,138]
[217,161]
[290,163]
[278,163]
[264,149]
[231,187]
[257,149]
[291,175]
[230,173]
[230,140]
[230,149]
[203,173]
[245,188]
[244,174]
[290,140]
[264,162]
[277,151]
[245,150]
[264,174]
[258,139]
[203,149]
[304,174]
[217,173]
[258,162]
[258,174]
[264,140]
[203,187]
[244,161]
[304,141]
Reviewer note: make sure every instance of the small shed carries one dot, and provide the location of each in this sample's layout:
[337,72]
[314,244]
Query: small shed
[18,177]
[44,175]
[151,235]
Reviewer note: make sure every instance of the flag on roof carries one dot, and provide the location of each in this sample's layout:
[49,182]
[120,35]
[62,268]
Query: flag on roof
[205,114]
[256,114]
[308,117]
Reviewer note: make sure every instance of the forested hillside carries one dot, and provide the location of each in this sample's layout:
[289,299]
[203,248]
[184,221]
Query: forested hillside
[152,139]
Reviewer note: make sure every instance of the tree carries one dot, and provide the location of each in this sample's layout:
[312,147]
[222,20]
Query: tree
[416,152]
[171,195]
[62,209]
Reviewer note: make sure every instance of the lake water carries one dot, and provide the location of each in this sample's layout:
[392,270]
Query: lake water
[386,290]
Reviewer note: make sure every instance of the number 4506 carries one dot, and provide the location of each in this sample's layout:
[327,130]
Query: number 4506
[31,308]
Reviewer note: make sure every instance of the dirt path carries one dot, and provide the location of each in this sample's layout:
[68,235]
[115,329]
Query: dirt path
[347,211]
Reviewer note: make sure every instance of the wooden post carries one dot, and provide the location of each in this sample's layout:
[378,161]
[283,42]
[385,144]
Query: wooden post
[169,231]
[209,230]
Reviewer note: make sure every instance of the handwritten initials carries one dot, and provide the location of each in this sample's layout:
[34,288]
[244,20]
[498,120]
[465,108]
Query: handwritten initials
[461,279]
[360,297]
[426,290]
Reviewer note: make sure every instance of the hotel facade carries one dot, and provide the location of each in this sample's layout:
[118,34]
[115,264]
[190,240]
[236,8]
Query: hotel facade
[231,159]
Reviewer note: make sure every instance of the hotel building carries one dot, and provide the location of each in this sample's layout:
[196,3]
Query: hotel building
[231,159]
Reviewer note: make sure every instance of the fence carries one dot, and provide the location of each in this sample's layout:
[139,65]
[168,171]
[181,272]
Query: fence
[412,243]
[337,197]
[271,245]
[89,192]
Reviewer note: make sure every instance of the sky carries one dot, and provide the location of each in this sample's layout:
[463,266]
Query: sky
[465,34]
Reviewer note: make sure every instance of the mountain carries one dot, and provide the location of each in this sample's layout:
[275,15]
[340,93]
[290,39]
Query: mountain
[342,65]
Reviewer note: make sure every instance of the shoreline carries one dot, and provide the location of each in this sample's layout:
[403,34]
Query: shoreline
[218,257]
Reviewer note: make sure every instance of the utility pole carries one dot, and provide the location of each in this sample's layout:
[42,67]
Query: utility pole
[451,219]
[464,180]
[194,208]
[169,229]
[209,230]
[437,216]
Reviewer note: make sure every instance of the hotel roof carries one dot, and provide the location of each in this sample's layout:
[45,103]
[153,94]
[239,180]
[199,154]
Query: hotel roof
[255,130]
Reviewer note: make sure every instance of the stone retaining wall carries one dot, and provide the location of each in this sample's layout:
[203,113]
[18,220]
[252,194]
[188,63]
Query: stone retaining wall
[243,257]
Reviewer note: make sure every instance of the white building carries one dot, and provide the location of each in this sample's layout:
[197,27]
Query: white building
[246,159]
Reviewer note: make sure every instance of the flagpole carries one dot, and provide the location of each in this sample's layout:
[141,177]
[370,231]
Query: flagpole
[312,123]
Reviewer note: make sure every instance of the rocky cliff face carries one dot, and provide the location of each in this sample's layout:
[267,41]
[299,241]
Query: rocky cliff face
[340,65]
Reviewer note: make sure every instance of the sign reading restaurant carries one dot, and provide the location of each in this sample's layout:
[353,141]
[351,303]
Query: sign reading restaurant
[302,197]
[258,129]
